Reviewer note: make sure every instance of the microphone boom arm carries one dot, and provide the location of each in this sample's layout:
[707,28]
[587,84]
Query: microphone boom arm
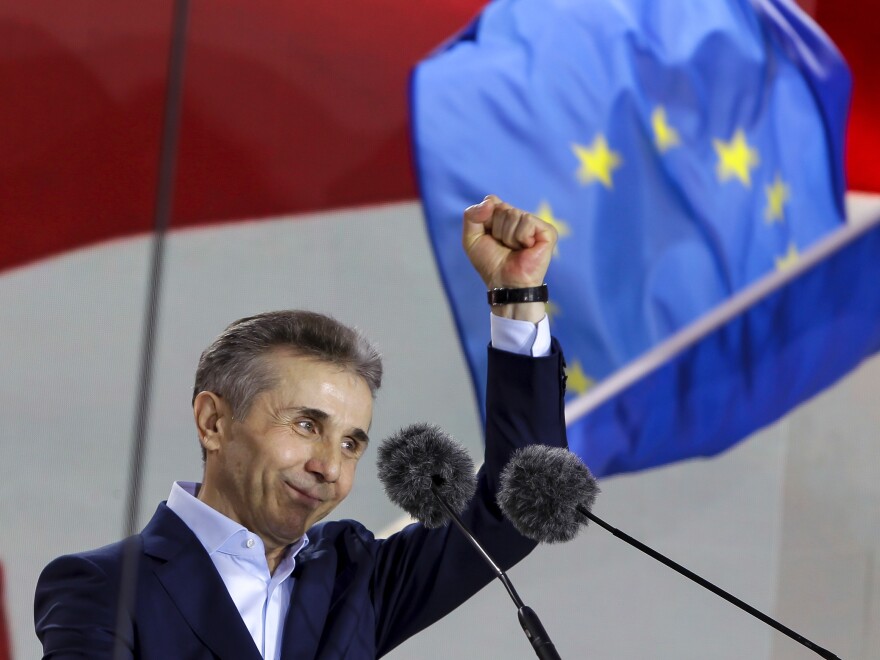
[708,585]
[528,619]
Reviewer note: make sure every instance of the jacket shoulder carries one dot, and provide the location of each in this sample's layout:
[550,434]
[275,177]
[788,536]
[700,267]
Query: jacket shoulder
[335,531]
[107,559]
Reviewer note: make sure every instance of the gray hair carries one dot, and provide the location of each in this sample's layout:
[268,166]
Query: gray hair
[232,366]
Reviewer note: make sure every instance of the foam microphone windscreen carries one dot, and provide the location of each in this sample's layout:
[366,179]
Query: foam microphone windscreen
[540,490]
[417,456]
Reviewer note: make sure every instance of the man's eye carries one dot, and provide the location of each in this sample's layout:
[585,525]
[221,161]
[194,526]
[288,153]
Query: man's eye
[306,425]
[350,447]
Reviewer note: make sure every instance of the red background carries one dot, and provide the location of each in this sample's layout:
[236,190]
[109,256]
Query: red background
[288,107]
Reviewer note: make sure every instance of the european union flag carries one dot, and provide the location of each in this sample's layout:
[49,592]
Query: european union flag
[761,353]
[683,149]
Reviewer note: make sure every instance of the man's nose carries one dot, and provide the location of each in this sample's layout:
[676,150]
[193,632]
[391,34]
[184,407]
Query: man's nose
[326,460]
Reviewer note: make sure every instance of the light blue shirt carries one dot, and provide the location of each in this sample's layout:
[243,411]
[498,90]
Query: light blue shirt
[523,337]
[263,598]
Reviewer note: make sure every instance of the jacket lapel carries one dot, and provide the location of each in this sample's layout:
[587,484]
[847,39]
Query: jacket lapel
[188,575]
[309,603]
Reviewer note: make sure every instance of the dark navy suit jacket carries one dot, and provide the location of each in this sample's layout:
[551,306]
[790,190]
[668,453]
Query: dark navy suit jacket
[354,596]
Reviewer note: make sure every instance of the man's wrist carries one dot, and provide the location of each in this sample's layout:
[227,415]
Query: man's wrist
[523,303]
[532,312]
[506,295]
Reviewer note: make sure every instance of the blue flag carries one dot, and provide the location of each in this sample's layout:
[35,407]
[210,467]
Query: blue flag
[771,347]
[682,149]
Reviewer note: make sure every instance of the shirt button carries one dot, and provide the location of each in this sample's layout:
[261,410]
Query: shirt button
[250,543]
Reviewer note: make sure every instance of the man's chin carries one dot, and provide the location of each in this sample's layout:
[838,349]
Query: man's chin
[317,518]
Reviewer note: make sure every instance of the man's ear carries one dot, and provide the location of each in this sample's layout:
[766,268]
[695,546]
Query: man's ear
[212,417]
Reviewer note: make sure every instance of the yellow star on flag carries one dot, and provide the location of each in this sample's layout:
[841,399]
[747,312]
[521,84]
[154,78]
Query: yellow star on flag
[789,259]
[665,137]
[577,380]
[546,214]
[597,161]
[552,310]
[777,196]
[736,158]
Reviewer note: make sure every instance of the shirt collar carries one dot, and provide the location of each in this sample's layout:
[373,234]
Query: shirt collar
[212,528]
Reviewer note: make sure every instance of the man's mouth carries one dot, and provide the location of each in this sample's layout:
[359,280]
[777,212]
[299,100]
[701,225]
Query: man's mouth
[306,495]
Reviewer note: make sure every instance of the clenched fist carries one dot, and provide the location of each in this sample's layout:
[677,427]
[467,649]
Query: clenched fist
[509,248]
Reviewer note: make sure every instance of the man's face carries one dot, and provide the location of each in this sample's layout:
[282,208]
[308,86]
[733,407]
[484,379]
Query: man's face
[289,463]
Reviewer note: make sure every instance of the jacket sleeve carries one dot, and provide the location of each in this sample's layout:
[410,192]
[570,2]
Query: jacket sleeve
[75,610]
[421,575]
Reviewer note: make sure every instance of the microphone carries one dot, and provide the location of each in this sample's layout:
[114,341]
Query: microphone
[431,477]
[541,489]
[410,461]
[547,493]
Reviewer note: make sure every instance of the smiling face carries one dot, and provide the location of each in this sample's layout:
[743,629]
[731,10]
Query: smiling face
[292,459]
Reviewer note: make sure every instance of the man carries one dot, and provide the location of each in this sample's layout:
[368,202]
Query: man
[236,567]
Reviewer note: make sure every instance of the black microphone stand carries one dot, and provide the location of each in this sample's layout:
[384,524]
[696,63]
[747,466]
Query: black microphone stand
[528,619]
[708,585]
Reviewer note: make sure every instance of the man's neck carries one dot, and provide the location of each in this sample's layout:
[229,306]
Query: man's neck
[276,550]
